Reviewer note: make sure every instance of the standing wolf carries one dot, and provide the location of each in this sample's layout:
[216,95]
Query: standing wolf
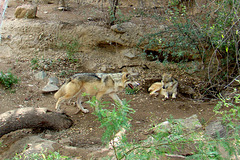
[167,86]
[94,84]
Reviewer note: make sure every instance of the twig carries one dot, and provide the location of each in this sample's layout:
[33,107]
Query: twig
[231,82]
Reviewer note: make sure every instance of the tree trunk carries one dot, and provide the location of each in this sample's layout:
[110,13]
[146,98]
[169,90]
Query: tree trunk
[33,118]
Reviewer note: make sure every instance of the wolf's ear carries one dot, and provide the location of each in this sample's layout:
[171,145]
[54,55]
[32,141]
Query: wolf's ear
[125,75]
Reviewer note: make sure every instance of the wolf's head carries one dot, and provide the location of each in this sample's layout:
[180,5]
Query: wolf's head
[129,80]
[166,80]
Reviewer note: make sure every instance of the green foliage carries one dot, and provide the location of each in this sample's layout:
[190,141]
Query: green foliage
[229,110]
[121,18]
[112,16]
[112,120]
[174,2]
[173,137]
[212,37]
[118,17]
[131,90]
[71,48]
[224,37]
[41,156]
[8,79]
[180,41]
[35,63]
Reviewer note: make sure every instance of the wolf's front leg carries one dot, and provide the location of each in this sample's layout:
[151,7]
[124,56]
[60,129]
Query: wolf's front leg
[165,94]
[79,105]
[115,98]
[174,95]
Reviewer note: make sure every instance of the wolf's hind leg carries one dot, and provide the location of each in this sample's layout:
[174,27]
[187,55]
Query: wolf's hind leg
[61,100]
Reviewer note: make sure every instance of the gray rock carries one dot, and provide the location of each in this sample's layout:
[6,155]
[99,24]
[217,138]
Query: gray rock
[52,85]
[191,123]
[128,53]
[215,129]
[27,146]
[53,80]
[123,27]
[188,124]
[40,75]
[50,88]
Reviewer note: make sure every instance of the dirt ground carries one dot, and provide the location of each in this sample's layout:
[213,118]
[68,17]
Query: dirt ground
[85,132]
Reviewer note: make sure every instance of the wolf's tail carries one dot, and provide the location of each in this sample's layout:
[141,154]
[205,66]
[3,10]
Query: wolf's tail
[61,91]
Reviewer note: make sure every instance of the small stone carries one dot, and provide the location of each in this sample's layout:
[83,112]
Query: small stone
[128,53]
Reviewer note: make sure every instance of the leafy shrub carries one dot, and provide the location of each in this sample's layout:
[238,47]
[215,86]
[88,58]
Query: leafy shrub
[173,138]
[211,37]
[131,90]
[8,79]
[42,156]
[113,120]
[179,42]
[71,48]
[35,63]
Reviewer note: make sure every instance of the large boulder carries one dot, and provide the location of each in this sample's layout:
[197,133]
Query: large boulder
[26,11]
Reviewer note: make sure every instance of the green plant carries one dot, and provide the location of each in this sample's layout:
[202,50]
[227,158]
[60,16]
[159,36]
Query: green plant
[121,18]
[8,79]
[115,14]
[113,120]
[71,48]
[42,156]
[229,110]
[112,11]
[131,90]
[35,63]
[174,2]
[179,42]
[211,37]
[172,137]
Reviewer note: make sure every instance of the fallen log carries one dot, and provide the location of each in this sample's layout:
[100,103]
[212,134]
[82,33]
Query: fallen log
[33,118]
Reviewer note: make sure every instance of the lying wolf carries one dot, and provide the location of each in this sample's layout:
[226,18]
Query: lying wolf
[168,85]
[94,84]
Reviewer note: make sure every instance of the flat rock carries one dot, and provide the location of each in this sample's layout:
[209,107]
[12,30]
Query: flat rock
[53,80]
[50,88]
[123,27]
[40,75]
